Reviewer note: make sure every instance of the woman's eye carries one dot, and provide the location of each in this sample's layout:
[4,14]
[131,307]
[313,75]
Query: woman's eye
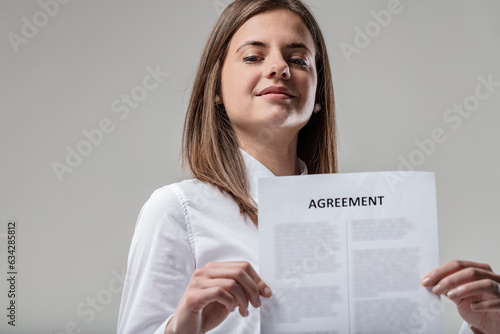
[250,59]
[298,61]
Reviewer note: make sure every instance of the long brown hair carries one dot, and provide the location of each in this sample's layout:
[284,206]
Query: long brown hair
[210,146]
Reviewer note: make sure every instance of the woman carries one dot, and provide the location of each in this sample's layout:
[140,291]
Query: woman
[262,105]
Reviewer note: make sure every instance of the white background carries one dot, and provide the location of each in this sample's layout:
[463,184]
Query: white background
[74,234]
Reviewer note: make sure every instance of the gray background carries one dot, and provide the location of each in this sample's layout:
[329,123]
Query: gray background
[74,234]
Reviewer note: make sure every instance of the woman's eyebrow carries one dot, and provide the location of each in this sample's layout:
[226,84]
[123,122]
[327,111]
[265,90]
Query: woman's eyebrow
[298,46]
[253,43]
[262,44]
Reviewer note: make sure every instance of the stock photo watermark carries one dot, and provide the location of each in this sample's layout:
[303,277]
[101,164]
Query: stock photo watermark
[420,319]
[30,27]
[11,272]
[364,36]
[121,108]
[89,309]
[324,249]
[454,118]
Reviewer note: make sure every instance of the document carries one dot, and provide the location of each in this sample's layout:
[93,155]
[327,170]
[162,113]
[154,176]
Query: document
[345,253]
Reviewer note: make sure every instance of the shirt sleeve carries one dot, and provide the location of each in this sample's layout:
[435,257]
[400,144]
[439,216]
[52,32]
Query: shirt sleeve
[160,265]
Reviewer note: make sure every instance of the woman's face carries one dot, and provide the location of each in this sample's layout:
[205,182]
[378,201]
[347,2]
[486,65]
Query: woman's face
[269,78]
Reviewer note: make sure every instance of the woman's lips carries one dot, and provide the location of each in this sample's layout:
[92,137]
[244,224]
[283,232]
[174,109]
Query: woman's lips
[276,93]
[276,96]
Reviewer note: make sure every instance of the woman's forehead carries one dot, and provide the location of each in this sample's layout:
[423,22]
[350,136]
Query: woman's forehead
[272,26]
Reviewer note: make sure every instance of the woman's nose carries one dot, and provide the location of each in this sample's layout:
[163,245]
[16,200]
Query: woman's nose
[278,68]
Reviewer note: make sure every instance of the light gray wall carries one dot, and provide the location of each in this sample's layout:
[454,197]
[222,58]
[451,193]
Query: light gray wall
[74,231]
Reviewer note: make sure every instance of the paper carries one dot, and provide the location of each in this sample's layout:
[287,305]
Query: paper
[344,253]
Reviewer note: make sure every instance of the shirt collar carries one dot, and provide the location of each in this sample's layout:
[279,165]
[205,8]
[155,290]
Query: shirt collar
[255,171]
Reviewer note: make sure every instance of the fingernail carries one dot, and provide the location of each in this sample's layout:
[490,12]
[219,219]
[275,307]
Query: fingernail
[475,306]
[247,313]
[452,293]
[267,292]
[259,304]
[437,289]
[426,281]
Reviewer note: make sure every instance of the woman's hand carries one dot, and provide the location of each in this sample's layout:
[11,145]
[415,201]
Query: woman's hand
[474,288]
[215,291]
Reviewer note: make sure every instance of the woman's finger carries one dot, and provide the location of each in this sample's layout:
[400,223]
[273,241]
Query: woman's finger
[476,288]
[244,274]
[462,277]
[449,268]
[236,291]
[197,299]
[487,306]
[264,289]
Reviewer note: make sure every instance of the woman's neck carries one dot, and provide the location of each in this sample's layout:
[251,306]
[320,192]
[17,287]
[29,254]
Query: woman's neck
[280,159]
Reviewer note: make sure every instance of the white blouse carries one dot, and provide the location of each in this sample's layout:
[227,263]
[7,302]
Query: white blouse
[183,226]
